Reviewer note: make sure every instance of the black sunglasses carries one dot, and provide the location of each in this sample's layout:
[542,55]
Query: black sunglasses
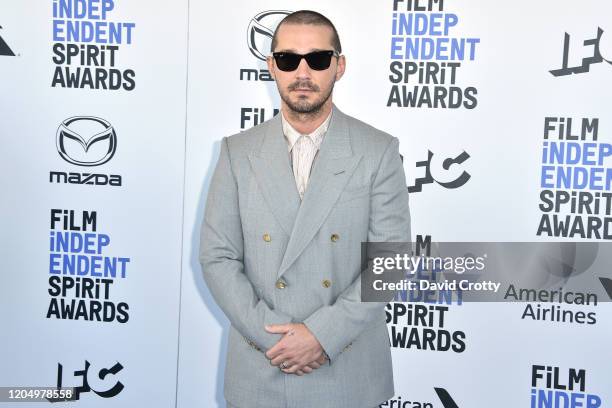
[317,60]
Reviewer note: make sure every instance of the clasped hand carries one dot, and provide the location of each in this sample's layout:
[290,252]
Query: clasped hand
[298,351]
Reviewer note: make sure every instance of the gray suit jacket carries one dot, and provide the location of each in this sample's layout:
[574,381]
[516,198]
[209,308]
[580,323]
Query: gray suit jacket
[269,258]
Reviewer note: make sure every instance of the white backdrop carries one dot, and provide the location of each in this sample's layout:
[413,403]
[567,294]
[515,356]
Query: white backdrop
[187,59]
[142,217]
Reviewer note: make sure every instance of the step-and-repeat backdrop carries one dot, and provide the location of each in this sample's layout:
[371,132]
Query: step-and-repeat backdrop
[111,113]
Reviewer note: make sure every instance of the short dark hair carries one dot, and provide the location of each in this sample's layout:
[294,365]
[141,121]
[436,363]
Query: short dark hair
[312,18]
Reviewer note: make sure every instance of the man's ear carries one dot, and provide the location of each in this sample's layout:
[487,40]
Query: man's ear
[270,62]
[341,67]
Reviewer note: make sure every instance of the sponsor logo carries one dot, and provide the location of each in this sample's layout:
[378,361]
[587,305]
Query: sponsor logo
[102,381]
[85,141]
[254,116]
[575,180]
[87,45]
[4,48]
[260,31]
[419,319]
[444,170]
[607,284]
[76,135]
[259,38]
[445,398]
[81,274]
[427,57]
[553,387]
[402,402]
[586,62]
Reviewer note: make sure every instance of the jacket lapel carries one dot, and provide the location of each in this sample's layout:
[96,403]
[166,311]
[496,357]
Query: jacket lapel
[331,171]
[274,176]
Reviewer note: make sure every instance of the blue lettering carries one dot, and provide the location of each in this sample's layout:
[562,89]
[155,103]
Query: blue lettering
[434,23]
[58,30]
[82,9]
[53,262]
[441,49]
[395,47]
[547,174]
[593,401]
[450,20]
[420,24]
[95,266]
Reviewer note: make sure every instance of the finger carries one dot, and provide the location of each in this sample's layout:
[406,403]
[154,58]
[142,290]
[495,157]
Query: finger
[278,328]
[307,370]
[292,367]
[290,332]
[276,350]
[286,358]
[314,365]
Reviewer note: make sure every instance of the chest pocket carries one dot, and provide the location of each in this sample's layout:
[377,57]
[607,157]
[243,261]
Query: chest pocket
[354,195]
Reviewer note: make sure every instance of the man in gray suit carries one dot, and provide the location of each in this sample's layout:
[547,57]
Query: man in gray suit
[289,204]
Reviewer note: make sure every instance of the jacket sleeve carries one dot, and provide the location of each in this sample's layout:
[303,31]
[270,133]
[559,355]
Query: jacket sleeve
[222,258]
[337,325]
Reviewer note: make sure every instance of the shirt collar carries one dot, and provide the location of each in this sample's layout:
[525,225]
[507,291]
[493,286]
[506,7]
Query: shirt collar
[293,135]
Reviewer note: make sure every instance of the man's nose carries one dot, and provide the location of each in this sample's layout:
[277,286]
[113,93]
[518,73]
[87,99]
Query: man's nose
[303,70]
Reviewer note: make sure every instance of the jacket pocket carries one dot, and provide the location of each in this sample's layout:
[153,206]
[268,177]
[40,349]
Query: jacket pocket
[354,194]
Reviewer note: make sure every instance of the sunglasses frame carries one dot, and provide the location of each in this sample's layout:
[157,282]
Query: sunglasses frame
[278,54]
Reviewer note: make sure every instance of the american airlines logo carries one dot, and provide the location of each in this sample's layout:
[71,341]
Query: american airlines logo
[607,284]
[401,401]
[445,398]
[4,48]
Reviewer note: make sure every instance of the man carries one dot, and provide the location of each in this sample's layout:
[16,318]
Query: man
[289,204]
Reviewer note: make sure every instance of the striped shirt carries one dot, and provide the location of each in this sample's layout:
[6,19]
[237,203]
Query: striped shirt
[303,150]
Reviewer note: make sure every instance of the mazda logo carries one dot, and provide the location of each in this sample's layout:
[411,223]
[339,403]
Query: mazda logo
[261,29]
[86,140]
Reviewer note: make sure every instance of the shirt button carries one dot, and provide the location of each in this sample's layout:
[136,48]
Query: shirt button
[281,284]
[335,237]
[267,237]
[326,283]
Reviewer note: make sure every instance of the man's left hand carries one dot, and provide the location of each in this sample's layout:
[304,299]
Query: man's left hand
[296,349]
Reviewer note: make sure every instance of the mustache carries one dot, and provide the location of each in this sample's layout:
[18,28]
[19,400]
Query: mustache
[303,85]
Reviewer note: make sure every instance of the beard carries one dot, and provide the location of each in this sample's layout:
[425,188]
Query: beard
[303,105]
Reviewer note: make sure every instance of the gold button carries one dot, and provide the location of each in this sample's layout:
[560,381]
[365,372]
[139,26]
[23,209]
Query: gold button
[267,237]
[281,284]
[335,237]
[326,283]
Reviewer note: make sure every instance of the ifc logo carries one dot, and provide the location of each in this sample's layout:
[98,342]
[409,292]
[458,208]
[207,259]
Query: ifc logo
[86,140]
[261,29]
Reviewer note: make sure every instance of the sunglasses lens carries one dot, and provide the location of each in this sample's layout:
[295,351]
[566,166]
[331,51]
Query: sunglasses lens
[286,61]
[320,60]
